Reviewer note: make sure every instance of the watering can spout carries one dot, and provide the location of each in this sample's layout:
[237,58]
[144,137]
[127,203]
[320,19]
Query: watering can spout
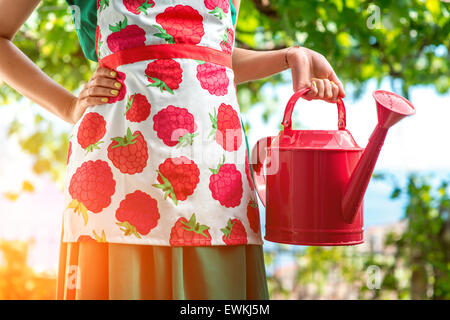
[391,108]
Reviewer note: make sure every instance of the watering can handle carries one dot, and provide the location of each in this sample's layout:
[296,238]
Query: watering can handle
[287,122]
[258,157]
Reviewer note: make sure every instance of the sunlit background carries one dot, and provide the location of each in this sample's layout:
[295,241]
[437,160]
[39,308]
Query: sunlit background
[407,229]
[417,144]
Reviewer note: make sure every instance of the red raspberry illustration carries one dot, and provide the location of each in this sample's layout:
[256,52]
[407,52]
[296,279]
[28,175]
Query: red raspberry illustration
[98,41]
[218,7]
[125,36]
[138,6]
[138,108]
[226,184]
[178,178]
[175,126]
[248,173]
[213,77]
[165,74]
[69,152]
[123,89]
[234,233]
[91,188]
[85,238]
[138,214]
[253,215]
[129,154]
[92,128]
[189,233]
[102,4]
[180,24]
[226,127]
[227,41]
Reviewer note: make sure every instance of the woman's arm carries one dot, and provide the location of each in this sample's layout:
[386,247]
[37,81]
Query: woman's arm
[249,65]
[18,71]
[309,69]
[237,5]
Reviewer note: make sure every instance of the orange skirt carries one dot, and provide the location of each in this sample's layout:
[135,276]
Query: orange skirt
[99,271]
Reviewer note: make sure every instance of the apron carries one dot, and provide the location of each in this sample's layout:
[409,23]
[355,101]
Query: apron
[165,162]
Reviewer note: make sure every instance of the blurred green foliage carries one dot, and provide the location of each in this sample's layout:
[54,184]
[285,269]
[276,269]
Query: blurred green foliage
[49,39]
[424,247]
[405,40]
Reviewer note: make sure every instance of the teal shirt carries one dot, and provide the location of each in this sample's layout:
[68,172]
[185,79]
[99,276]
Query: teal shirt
[88,24]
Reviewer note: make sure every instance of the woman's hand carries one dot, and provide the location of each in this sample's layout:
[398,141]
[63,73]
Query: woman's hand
[310,69]
[98,90]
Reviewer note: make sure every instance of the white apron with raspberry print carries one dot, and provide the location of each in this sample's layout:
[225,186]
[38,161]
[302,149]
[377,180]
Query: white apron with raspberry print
[165,162]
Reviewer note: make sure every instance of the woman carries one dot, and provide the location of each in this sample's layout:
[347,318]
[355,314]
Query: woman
[159,202]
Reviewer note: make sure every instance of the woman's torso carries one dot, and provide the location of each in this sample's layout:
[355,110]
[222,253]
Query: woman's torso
[164,162]
[85,19]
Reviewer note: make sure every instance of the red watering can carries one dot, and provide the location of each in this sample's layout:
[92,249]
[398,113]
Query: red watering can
[312,182]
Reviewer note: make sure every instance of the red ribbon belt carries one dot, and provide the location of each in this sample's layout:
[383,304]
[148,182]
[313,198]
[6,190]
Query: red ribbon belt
[166,51]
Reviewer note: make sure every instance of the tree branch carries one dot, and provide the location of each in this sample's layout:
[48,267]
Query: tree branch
[265,8]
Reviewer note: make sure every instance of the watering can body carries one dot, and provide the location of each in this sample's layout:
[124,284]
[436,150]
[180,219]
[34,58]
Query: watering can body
[312,182]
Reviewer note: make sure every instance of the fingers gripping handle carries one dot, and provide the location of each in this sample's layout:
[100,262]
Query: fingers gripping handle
[287,121]
[258,157]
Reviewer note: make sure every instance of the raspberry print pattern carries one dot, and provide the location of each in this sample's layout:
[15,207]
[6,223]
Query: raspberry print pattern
[138,6]
[226,184]
[138,108]
[189,233]
[92,129]
[253,215]
[164,74]
[129,154]
[234,233]
[175,126]
[141,176]
[180,24]
[69,152]
[125,36]
[218,8]
[98,41]
[97,238]
[102,4]
[91,188]
[248,173]
[178,178]
[137,214]
[213,77]
[85,238]
[227,41]
[226,127]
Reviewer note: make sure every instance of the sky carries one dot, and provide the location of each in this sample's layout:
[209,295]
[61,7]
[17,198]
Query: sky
[418,143]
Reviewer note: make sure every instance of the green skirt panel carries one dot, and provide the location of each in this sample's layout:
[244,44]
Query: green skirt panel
[99,271]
